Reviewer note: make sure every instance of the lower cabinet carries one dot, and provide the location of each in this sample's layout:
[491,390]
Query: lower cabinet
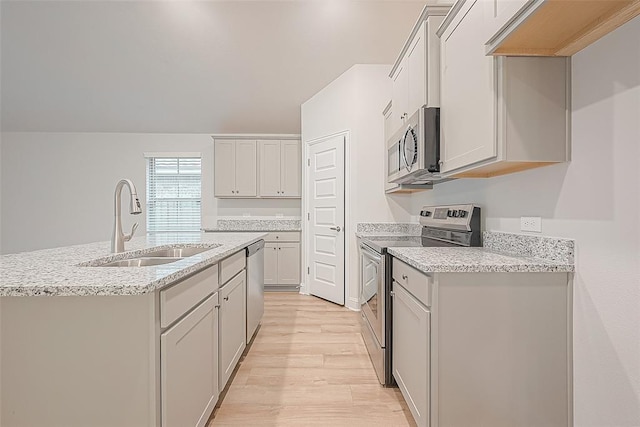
[233,326]
[189,365]
[282,260]
[411,352]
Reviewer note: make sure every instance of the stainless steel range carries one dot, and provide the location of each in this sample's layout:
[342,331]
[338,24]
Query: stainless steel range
[443,226]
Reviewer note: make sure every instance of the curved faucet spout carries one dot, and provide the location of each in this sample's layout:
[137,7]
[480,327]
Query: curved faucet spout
[118,237]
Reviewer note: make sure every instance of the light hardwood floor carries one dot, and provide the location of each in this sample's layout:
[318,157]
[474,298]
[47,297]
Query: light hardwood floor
[308,366]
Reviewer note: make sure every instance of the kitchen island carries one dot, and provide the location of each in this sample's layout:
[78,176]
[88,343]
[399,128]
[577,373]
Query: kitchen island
[82,344]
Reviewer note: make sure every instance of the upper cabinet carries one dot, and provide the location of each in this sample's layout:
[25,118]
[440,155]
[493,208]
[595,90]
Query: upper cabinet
[498,114]
[235,168]
[415,74]
[250,168]
[280,168]
[552,27]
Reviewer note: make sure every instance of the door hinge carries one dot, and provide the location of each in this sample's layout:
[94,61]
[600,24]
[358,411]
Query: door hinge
[308,216]
[308,162]
[308,270]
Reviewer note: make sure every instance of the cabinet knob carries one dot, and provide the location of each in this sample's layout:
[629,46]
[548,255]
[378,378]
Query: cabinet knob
[404,277]
[393,294]
[226,298]
[233,192]
[217,306]
[279,248]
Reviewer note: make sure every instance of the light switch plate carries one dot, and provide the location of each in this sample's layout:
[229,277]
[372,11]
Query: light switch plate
[531,223]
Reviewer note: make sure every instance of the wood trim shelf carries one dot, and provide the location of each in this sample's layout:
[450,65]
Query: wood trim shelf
[561,27]
[500,168]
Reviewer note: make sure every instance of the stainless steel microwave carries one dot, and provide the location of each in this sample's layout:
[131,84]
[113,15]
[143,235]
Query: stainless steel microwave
[414,151]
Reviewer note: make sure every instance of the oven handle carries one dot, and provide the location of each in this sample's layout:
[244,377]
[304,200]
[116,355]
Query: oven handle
[371,253]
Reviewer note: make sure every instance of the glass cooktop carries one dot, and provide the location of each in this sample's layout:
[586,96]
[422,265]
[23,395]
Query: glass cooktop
[381,243]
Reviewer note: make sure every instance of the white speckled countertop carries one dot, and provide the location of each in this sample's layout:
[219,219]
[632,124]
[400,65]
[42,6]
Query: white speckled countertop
[256,225]
[475,260]
[57,272]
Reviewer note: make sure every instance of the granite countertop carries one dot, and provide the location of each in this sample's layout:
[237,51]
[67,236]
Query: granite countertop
[475,260]
[67,271]
[256,225]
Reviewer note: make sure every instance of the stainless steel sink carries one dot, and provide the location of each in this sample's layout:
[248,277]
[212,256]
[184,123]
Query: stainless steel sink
[176,252]
[141,262]
[165,255]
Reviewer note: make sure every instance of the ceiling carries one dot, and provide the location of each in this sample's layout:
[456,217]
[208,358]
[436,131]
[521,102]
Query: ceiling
[184,66]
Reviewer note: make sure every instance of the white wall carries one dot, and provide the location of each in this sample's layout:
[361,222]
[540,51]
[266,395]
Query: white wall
[595,200]
[354,103]
[184,66]
[57,188]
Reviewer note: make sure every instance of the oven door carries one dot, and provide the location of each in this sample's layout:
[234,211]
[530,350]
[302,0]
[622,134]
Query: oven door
[372,296]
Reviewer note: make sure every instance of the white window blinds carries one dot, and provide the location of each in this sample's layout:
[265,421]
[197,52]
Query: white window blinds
[173,194]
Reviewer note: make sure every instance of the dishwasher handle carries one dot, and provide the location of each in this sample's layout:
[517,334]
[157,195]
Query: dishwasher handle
[254,248]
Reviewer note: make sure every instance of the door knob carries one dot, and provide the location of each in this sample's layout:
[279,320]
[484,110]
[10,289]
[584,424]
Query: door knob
[336,228]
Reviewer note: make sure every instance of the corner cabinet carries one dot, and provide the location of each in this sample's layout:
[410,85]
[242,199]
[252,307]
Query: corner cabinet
[498,115]
[280,168]
[235,169]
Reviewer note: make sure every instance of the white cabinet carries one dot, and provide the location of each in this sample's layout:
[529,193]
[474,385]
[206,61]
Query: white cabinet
[498,115]
[235,168]
[280,168]
[282,260]
[411,348]
[416,74]
[233,326]
[189,367]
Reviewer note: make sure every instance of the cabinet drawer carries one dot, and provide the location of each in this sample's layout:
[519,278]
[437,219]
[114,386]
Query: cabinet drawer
[283,236]
[231,266]
[414,281]
[178,299]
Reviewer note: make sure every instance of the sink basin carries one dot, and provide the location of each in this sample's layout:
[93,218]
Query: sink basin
[176,252]
[159,256]
[141,262]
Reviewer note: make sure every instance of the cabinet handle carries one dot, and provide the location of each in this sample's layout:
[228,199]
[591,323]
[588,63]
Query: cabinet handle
[279,248]
[233,192]
[226,298]
[404,277]
[277,237]
[275,249]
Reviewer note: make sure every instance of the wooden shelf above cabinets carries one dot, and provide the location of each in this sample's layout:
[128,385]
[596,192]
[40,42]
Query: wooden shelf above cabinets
[561,27]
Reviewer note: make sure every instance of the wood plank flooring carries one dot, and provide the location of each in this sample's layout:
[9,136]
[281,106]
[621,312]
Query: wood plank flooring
[308,366]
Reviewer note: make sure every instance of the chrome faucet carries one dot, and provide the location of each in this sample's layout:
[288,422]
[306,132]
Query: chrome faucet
[118,238]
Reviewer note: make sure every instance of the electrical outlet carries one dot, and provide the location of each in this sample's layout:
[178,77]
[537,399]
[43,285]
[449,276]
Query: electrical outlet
[531,223]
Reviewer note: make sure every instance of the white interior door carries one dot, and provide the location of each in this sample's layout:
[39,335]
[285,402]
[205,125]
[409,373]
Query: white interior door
[326,222]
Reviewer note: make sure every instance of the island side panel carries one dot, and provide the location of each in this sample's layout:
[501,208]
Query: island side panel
[502,344]
[78,361]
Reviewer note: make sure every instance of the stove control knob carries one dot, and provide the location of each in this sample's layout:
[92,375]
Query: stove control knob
[463,214]
[450,213]
[456,213]
[425,213]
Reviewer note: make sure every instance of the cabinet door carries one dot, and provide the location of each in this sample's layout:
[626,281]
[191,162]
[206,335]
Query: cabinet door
[189,367]
[289,263]
[503,12]
[225,168]
[400,90]
[411,352]
[417,72]
[467,98]
[246,169]
[291,170]
[269,168]
[270,263]
[233,326]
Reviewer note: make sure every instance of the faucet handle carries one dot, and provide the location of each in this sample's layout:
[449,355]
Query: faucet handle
[128,237]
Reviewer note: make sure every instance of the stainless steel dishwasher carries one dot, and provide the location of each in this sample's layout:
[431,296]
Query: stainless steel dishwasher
[255,287]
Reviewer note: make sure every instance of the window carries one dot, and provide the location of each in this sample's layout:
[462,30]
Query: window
[173,194]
